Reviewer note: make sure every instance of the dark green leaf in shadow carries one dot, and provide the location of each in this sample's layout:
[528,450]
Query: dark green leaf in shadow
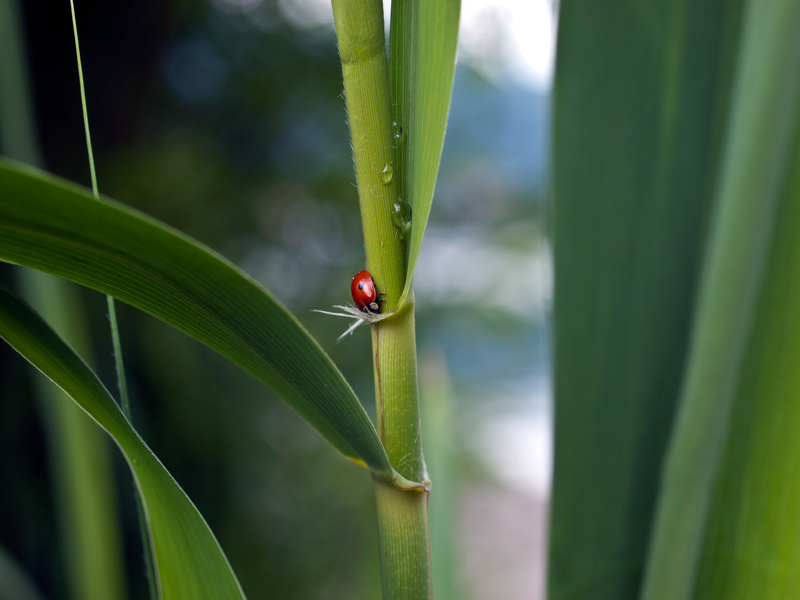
[641,100]
[57,227]
[189,561]
[742,336]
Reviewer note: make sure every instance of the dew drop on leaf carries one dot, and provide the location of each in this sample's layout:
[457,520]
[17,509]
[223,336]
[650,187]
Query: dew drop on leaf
[386,174]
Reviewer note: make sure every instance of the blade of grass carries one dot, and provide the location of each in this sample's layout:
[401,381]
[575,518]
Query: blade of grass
[753,531]
[761,152]
[112,314]
[641,99]
[189,561]
[422,58]
[83,102]
[56,227]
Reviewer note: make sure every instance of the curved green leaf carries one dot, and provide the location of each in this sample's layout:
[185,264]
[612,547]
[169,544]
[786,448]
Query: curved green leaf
[54,226]
[422,60]
[189,561]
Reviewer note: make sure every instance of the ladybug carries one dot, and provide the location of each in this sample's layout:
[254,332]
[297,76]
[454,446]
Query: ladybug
[364,293]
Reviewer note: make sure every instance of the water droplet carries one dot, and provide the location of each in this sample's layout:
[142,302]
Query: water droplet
[386,174]
[402,210]
[397,129]
[401,217]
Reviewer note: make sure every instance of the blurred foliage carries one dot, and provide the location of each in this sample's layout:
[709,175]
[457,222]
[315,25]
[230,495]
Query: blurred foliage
[225,120]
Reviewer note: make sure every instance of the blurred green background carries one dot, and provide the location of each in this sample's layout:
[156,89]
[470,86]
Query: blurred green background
[224,118]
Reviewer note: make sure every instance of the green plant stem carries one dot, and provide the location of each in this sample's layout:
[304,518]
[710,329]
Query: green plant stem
[403,531]
[362,48]
[397,392]
[402,515]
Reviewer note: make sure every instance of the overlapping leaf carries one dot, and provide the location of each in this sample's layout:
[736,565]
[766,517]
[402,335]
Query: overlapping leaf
[422,58]
[189,561]
[641,101]
[741,377]
[677,182]
[48,224]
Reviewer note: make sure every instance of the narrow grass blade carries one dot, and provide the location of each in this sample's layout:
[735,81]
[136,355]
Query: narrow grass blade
[422,58]
[642,95]
[189,561]
[79,454]
[51,225]
[742,338]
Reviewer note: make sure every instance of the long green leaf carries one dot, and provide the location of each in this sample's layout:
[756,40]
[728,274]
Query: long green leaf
[742,340]
[53,226]
[189,561]
[641,100]
[753,531]
[422,58]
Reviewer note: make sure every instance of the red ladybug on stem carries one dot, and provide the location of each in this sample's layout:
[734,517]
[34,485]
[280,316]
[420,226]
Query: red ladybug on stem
[364,293]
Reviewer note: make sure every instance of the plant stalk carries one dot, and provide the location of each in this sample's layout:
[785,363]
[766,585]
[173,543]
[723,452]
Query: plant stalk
[404,542]
[365,71]
[397,392]
[402,515]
